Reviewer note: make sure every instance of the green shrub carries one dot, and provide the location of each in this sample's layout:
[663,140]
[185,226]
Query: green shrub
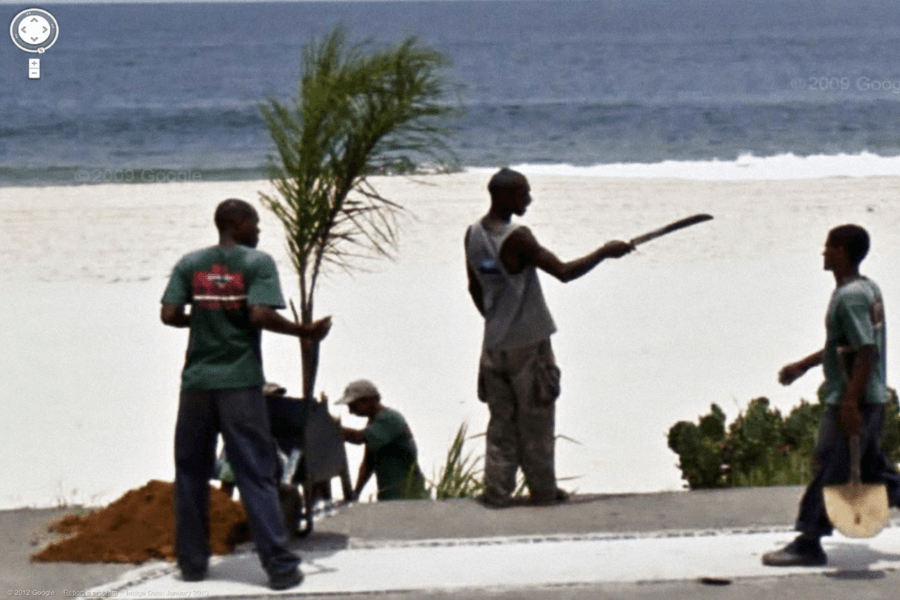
[753,439]
[891,440]
[760,448]
[700,449]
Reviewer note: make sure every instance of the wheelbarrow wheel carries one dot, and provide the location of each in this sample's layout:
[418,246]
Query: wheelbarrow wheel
[306,505]
[291,508]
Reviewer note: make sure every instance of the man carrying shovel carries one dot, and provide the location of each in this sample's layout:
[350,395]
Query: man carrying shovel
[854,394]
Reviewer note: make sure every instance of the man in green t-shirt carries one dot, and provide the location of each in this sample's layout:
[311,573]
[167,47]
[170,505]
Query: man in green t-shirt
[854,394]
[390,448]
[233,291]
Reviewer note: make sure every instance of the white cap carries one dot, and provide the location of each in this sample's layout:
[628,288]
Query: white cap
[362,388]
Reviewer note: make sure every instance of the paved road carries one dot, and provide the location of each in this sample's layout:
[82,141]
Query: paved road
[672,546]
[679,546]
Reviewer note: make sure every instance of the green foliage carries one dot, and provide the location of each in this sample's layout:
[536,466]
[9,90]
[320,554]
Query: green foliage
[804,418]
[753,439]
[700,449]
[460,476]
[358,111]
[891,440]
[760,447]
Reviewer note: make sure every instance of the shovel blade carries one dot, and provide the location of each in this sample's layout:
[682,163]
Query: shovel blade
[857,510]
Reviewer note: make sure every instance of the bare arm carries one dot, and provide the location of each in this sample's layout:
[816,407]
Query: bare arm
[354,436]
[475,290]
[265,317]
[522,248]
[474,285]
[365,473]
[358,436]
[859,379]
[793,371]
[855,391]
[174,315]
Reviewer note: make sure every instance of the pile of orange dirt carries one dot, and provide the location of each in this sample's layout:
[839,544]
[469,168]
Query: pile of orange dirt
[140,526]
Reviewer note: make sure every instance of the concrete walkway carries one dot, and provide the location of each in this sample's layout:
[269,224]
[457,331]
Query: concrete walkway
[678,545]
[714,557]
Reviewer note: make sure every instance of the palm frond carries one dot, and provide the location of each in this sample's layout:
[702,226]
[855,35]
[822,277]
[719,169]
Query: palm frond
[359,111]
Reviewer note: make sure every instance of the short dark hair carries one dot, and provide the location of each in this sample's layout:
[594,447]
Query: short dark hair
[232,211]
[505,181]
[852,238]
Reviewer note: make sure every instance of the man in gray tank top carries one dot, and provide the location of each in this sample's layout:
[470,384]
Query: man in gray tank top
[517,375]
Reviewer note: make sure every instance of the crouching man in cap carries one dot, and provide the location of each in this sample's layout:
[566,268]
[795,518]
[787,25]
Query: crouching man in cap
[390,448]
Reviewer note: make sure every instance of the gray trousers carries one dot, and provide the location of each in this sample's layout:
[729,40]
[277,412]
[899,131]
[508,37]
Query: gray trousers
[520,386]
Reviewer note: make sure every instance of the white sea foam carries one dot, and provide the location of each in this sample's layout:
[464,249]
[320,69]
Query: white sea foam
[745,167]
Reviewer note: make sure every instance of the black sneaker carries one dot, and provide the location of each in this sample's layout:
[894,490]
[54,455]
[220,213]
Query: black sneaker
[193,575]
[491,502]
[802,552]
[283,581]
[561,497]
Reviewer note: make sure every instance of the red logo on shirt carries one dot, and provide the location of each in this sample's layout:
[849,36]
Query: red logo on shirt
[219,289]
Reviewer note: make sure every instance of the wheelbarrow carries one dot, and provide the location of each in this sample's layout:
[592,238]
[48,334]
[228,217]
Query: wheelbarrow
[311,439]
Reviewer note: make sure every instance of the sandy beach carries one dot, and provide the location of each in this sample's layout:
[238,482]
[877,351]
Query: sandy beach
[705,315]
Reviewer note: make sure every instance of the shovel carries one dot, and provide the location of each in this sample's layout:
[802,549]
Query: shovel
[856,509]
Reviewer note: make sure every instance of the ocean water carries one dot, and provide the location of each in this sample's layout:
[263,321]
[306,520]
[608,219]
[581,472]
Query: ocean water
[160,92]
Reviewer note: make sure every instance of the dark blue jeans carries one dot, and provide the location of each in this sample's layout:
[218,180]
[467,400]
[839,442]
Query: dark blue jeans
[833,455]
[242,418]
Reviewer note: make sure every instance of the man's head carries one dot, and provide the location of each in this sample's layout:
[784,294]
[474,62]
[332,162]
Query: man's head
[362,398]
[846,242]
[238,220]
[510,191]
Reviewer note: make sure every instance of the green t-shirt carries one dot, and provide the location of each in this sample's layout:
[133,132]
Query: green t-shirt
[855,319]
[220,283]
[390,445]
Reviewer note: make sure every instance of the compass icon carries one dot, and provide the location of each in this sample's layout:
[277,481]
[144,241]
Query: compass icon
[34,30]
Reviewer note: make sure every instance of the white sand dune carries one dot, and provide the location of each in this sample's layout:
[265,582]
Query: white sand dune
[705,315]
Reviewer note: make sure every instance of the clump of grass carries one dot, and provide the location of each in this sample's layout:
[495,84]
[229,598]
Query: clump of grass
[462,475]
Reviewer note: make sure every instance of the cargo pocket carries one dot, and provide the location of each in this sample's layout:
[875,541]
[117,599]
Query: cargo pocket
[547,375]
[482,383]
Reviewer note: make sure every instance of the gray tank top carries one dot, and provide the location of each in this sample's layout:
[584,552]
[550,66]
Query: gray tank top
[515,312]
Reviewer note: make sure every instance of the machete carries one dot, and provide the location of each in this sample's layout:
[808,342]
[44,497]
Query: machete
[680,224]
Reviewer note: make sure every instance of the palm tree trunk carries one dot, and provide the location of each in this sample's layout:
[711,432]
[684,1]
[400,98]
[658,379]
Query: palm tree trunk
[309,349]
[309,357]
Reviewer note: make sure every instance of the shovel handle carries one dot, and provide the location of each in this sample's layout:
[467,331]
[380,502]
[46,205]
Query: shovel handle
[855,470]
